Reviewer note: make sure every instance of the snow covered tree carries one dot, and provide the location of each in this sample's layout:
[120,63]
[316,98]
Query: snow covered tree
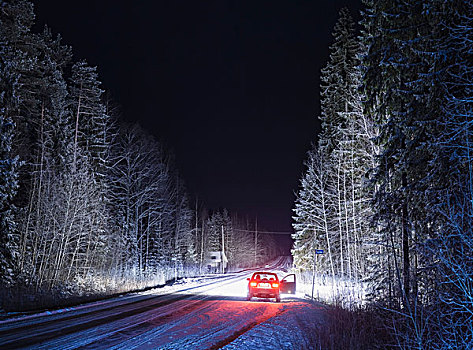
[218,223]
[8,175]
[88,112]
[332,201]
[16,19]
[391,99]
[71,209]
[312,224]
[243,242]
[337,90]
[134,158]
[417,90]
[47,148]
[449,196]
[89,149]
[152,218]
[358,151]
[183,242]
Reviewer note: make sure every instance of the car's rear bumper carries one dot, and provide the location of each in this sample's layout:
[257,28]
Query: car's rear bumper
[264,293]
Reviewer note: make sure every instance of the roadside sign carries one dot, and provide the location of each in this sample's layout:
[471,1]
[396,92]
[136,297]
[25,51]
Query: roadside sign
[317,252]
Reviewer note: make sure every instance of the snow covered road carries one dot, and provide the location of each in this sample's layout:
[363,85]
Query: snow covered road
[206,313]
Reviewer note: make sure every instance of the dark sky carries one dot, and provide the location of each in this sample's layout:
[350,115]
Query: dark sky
[230,86]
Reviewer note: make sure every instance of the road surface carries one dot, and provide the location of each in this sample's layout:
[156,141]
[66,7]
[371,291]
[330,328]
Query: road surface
[210,313]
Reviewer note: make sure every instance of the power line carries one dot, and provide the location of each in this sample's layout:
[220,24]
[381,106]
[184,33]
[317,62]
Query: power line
[270,232]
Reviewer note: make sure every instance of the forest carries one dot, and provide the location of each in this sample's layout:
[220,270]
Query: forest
[387,190]
[90,204]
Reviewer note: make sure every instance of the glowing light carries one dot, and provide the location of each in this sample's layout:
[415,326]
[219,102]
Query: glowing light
[275,285]
[253,284]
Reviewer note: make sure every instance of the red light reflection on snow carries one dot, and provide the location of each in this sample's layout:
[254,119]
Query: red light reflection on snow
[201,318]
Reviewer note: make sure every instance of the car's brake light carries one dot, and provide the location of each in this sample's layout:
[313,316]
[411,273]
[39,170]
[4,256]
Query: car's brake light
[253,284]
[275,285]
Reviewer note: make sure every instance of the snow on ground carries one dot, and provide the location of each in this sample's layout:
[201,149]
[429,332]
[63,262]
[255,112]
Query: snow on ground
[293,328]
[227,320]
[181,285]
[207,312]
[215,323]
[344,292]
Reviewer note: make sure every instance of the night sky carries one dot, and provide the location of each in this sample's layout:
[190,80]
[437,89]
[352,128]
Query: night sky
[231,87]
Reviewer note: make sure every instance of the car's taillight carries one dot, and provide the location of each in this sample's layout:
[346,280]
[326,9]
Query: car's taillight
[275,285]
[253,284]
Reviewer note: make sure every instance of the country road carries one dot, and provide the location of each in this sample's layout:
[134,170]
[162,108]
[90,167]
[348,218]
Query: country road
[208,313]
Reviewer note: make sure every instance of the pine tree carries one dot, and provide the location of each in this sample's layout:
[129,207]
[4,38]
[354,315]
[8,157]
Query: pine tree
[88,112]
[90,149]
[449,196]
[184,246]
[417,67]
[214,228]
[59,175]
[312,224]
[8,184]
[47,149]
[323,209]
[391,99]
[16,19]
[336,94]
[335,81]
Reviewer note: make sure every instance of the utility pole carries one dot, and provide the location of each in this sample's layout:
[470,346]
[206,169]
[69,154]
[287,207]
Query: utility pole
[256,238]
[202,247]
[197,231]
[223,251]
[176,240]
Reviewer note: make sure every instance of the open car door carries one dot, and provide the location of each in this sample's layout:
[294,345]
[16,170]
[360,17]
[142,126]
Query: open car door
[288,284]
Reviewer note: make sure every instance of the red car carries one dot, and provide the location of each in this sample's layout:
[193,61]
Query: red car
[267,285]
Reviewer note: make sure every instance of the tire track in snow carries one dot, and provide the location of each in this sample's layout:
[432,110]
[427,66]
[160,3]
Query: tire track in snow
[32,335]
[113,333]
[141,327]
[126,318]
[242,331]
[213,326]
[23,332]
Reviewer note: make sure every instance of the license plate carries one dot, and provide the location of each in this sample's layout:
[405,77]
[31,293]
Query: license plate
[264,285]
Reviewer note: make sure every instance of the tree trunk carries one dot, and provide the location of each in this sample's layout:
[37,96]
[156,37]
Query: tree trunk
[405,244]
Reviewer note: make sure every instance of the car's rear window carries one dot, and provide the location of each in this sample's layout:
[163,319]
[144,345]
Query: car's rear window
[267,276]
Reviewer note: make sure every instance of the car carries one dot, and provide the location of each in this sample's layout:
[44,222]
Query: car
[267,285]
[263,285]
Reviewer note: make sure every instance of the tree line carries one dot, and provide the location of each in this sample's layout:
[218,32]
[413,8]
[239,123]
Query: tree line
[388,188]
[87,201]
